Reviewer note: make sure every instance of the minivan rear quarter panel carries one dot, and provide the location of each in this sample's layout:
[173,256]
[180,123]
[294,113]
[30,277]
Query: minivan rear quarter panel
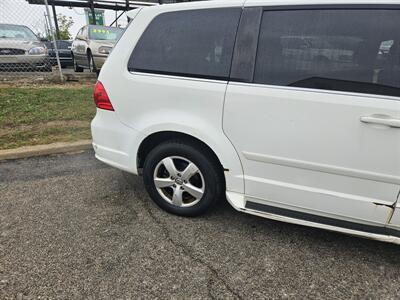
[156,102]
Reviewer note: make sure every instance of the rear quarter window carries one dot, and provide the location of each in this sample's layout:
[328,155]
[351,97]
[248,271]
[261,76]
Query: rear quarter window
[194,43]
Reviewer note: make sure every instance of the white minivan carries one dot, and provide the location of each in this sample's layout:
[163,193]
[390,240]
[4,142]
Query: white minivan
[288,108]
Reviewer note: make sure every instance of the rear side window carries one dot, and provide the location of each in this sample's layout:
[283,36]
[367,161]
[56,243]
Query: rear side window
[195,43]
[346,50]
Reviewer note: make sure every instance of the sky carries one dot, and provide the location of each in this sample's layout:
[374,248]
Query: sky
[23,13]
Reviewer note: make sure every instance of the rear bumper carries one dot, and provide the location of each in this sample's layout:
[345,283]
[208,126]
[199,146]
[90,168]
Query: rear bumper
[99,60]
[21,59]
[113,142]
[65,61]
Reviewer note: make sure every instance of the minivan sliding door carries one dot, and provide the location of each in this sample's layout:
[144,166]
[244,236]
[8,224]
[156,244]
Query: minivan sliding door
[314,114]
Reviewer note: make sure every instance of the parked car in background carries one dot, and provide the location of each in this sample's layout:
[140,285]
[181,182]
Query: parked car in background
[64,53]
[226,98]
[92,45]
[22,50]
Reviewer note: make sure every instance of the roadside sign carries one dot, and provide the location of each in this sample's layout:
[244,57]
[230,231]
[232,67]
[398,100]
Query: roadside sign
[99,17]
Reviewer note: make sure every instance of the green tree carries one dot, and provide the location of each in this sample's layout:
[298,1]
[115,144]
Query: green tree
[64,25]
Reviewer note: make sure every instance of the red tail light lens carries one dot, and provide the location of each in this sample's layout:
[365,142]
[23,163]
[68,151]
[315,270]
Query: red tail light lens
[101,98]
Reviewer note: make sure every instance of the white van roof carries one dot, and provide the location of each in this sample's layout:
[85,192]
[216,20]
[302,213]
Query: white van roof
[227,3]
[316,2]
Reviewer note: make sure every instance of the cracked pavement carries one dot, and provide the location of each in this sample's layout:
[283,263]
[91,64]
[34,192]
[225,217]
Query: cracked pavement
[73,228]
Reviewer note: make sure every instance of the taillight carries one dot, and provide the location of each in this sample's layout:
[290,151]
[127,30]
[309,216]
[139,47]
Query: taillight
[101,98]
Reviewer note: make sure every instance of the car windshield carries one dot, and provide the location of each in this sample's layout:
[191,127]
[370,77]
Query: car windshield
[105,33]
[16,32]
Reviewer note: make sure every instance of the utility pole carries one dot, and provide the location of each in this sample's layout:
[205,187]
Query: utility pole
[55,20]
[46,24]
[54,41]
[127,8]
[93,12]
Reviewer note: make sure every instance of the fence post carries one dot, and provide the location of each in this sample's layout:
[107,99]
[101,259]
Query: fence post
[54,40]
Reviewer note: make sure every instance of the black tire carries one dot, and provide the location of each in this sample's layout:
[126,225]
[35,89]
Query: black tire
[211,170]
[91,63]
[77,68]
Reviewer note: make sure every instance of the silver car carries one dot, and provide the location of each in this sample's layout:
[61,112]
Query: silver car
[22,50]
[92,45]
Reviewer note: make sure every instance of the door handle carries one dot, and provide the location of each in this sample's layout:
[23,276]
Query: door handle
[381,120]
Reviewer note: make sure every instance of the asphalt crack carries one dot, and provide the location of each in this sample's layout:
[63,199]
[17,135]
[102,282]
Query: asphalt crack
[187,251]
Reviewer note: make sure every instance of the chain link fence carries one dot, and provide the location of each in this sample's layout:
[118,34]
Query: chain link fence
[26,39]
[30,43]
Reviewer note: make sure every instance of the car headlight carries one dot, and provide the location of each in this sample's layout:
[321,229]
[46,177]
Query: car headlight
[37,51]
[105,50]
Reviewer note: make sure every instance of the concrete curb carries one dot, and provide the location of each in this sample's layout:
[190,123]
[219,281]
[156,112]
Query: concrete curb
[30,151]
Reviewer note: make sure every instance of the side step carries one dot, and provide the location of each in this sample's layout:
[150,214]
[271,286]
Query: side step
[321,219]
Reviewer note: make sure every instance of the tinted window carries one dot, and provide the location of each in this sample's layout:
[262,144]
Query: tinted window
[196,43]
[345,50]
[80,32]
[84,31]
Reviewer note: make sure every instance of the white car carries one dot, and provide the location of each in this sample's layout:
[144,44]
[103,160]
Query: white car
[92,45]
[200,99]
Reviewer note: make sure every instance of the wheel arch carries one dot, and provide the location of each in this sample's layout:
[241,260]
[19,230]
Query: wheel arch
[213,140]
[159,137]
[222,151]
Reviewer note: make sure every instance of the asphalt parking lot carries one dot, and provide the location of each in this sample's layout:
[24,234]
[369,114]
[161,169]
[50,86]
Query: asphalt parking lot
[73,228]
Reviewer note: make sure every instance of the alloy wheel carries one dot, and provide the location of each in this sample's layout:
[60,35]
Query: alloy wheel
[179,181]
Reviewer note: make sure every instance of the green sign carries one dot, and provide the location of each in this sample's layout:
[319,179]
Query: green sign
[99,14]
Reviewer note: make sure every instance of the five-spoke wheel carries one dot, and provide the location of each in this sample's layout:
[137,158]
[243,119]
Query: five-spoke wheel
[183,178]
[179,181]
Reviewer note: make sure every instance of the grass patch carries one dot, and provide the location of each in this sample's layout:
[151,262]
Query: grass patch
[32,115]
[46,136]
